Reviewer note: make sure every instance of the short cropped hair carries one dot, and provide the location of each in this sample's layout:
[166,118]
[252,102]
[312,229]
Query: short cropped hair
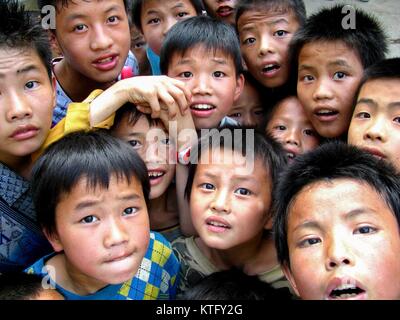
[279,6]
[133,114]
[367,39]
[388,69]
[20,286]
[203,31]
[137,11]
[334,160]
[18,31]
[94,155]
[264,147]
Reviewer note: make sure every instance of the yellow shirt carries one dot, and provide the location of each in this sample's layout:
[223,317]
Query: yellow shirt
[77,118]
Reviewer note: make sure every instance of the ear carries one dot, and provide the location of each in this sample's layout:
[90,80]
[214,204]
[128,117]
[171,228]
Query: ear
[239,86]
[54,46]
[54,240]
[289,276]
[54,93]
[268,224]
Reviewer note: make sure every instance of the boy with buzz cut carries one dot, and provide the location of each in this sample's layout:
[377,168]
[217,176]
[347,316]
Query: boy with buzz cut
[204,53]
[330,60]
[346,249]
[265,28]
[91,192]
[375,125]
[94,38]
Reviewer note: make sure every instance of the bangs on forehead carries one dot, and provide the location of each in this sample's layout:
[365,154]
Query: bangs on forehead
[208,48]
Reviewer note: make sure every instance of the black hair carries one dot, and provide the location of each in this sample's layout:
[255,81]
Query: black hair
[367,39]
[384,69]
[330,161]
[133,114]
[20,286]
[210,33]
[94,155]
[232,284]
[280,6]
[59,4]
[249,142]
[19,31]
[137,11]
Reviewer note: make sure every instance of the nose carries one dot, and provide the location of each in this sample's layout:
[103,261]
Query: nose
[201,85]
[221,202]
[169,22]
[116,233]
[267,45]
[18,107]
[376,130]
[338,254]
[155,150]
[101,38]
[323,90]
[292,137]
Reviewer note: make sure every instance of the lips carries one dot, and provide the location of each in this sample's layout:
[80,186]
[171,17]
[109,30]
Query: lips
[291,153]
[118,257]
[217,224]
[106,62]
[375,152]
[270,69]
[155,176]
[24,132]
[345,288]
[224,11]
[326,114]
[202,109]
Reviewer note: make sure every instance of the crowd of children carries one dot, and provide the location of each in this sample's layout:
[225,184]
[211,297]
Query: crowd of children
[188,149]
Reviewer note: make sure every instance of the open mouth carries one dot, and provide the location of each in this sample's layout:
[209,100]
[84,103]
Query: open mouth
[345,291]
[290,155]
[224,11]
[154,175]
[271,68]
[202,107]
[217,226]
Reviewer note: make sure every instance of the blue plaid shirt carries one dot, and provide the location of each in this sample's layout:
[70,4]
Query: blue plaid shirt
[155,279]
[63,100]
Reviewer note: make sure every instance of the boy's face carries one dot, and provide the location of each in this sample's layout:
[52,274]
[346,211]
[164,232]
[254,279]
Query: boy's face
[290,126]
[226,196]
[248,110]
[154,147]
[222,9]
[375,125]
[27,100]
[264,42]
[94,38]
[329,74]
[138,47]
[211,78]
[103,233]
[157,17]
[344,243]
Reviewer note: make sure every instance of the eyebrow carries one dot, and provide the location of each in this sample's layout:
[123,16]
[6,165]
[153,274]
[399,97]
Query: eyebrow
[216,60]
[24,70]
[372,103]
[306,67]
[82,16]
[272,23]
[340,63]
[91,203]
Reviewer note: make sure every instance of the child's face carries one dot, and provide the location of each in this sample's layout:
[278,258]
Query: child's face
[264,42]
[157,17]
[290,126]
[229,206]
[154,147]
[375,126]
[27,100]
[94,38]
[248,109]
[329,74]
[346,249]
[211,78]
[138,47]
[104,233]
[222,10]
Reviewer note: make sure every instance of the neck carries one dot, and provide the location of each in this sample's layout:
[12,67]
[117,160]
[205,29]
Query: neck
[161,216]
[21,165]
[76,85]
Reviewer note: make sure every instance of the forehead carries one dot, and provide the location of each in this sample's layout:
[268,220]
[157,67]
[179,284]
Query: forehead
[201,52]
[327,51]
[16,58]
[266,15]
[383,88]
[291,106]
[149,6]
[327,199]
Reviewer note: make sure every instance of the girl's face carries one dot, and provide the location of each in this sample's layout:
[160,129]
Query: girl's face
[157,17]
[229,203]
[153,146]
